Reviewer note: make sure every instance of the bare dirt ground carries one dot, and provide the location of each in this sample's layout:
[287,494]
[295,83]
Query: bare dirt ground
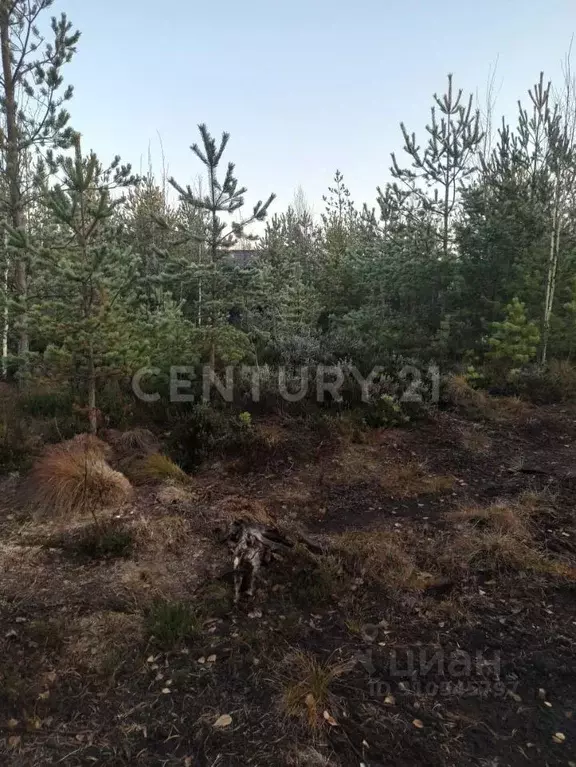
[439,628]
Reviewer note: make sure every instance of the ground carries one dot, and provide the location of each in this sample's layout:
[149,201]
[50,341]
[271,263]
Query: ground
[438,626]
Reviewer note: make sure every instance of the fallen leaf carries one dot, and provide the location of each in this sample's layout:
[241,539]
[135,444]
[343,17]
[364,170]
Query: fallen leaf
[330,719]
[418,723]
[12,723]
[187,761]
[514,696]
[211,659]
[559,737]
[223,721]
[150,659]
[202,660]
[547,704]
[390,700]
[166,691]
[44,695]
[14,741]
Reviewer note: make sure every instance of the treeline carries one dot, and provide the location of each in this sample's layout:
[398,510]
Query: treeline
[468,257]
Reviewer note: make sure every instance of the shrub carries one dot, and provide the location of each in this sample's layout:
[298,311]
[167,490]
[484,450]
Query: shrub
[385,411]
[197,435]
[556,383]
[49,404]
[74,478]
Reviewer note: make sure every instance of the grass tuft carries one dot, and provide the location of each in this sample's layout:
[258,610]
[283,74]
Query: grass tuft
[306,686]
[379,556]
[156,468]
[74,478]
[171,624]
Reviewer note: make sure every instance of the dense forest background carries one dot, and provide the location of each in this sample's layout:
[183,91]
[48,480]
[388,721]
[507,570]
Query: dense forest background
[468,259]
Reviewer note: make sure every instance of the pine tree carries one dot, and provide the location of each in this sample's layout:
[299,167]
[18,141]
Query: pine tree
[447,159]
[223,198]
[85,320]
[514,341]
[32,108]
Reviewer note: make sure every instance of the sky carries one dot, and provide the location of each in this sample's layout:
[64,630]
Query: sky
[304,87]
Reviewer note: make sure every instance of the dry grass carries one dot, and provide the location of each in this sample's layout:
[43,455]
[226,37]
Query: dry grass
[400,479]
[512,517]
[167,534]
[136,440]
[492,550]
[479,405]
[308,757]
[378,555]
[172,492]
[408,480]
[497,517]
[73,478]
[237,506]
[475,441]
[306,686]
[498,536]
[155,468]
[98,641]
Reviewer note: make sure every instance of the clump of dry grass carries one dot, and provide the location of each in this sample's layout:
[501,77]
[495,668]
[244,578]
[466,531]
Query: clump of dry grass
[497,517]
[74,478]
[513,516]
[99,641]
[136,440]
[237,506]
[492,550]
[498,536]
[479,405]
[306,685]
[172,492]
[377,555]
[155,468]
[407,480]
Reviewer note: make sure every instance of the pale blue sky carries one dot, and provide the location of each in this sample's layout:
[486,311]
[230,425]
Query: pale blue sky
[304,87]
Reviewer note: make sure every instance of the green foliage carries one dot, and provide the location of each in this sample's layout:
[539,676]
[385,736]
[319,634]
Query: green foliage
[171,624]
[514,341]
[385,412]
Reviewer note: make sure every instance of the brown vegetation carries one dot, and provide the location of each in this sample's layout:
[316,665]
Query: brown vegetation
[73,478]
[154,468]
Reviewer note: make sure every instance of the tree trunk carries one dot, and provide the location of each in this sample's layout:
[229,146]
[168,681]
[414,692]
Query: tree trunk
[12,153]
[92,411]
[552,271]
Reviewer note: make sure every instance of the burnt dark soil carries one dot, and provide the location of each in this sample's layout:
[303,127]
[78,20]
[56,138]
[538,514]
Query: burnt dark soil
[467,661]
